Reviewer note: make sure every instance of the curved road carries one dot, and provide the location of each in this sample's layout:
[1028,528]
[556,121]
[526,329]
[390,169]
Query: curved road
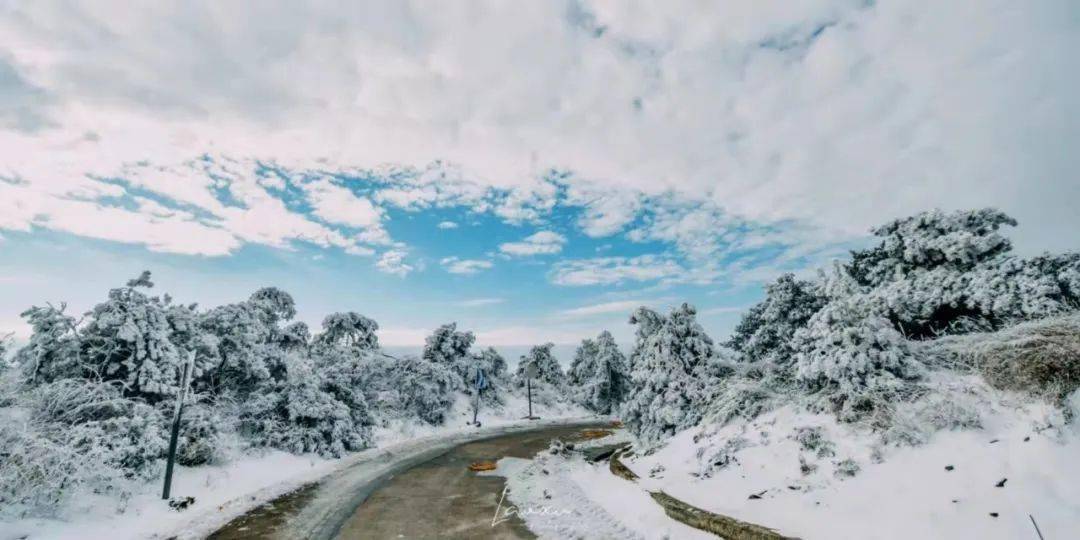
[431,494]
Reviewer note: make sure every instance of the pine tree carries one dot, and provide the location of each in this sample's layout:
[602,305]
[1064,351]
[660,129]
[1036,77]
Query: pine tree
[127,339]
[599,374]
[584,363]
[349,329]
[663,386]
[547,367]
[764,333]
[450,348]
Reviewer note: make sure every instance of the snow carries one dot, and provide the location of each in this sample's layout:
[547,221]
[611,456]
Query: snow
[562,497]
[220,492]
[223,492]
[908,495]
[897,493]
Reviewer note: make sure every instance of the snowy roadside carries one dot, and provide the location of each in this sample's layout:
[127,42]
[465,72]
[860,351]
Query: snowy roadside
[980,483]
[560,495]
[947,488]
[223,492]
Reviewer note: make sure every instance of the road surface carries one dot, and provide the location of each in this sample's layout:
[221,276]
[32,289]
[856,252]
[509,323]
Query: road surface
[427,494]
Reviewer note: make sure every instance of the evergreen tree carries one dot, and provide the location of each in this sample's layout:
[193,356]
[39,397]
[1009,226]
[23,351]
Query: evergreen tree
[547,367]
[127,339]
[53,350]
[663,385]
[584,363]
[764,333]
[450,348]
[599,374]
[349,329]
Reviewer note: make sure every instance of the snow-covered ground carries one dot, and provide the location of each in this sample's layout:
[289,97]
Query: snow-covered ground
[223,492]
[947,488]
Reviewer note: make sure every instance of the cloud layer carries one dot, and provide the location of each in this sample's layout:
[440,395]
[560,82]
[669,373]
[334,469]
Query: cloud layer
[199,127]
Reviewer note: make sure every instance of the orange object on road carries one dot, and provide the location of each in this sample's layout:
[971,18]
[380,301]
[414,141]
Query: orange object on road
[482,466]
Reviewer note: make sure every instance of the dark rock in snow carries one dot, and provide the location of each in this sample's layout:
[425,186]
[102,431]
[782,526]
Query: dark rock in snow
[949,467]
[181,503]
[1002,482]
[756,496]
[993,514]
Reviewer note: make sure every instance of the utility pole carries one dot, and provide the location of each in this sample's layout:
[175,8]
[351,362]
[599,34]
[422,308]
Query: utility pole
[184,380]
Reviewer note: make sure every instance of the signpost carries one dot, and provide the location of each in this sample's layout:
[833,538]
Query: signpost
[189,366]
[480,384]
[530,374]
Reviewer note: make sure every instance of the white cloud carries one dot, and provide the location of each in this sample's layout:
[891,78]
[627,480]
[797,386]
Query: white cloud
[479,302]
[621,306]
[447,225]
[837,113]
[614,270]
[340,205]
[605,211]
[541,243]
[455,265]
[393,262]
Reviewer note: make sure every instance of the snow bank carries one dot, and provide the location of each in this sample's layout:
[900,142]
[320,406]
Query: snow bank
[565,497]
[844,484]
[226,491]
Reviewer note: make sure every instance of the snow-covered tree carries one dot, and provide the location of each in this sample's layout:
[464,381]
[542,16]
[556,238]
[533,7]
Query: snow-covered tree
[127,338]
[245,354]
[548,369]
[295,336]
[424,389]
[938,273]
[852,356]
[349,329]
[310,411]
[928,240]
[493,363]
[599,374]
[764,333]
[53,350]
[448,347]
[647,322]
[583,364]
[663,385]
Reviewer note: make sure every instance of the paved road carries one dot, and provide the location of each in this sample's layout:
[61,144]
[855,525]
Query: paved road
[432,496]
[444,499]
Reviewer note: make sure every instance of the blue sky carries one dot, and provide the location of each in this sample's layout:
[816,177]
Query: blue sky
[541,272]
[531,171]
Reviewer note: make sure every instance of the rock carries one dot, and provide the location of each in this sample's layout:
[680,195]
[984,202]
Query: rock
[756,496]
[949,467]
[1002,482]
[993,514]
[181,503]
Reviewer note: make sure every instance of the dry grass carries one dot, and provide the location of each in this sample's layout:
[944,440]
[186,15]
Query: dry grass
[1041,358]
